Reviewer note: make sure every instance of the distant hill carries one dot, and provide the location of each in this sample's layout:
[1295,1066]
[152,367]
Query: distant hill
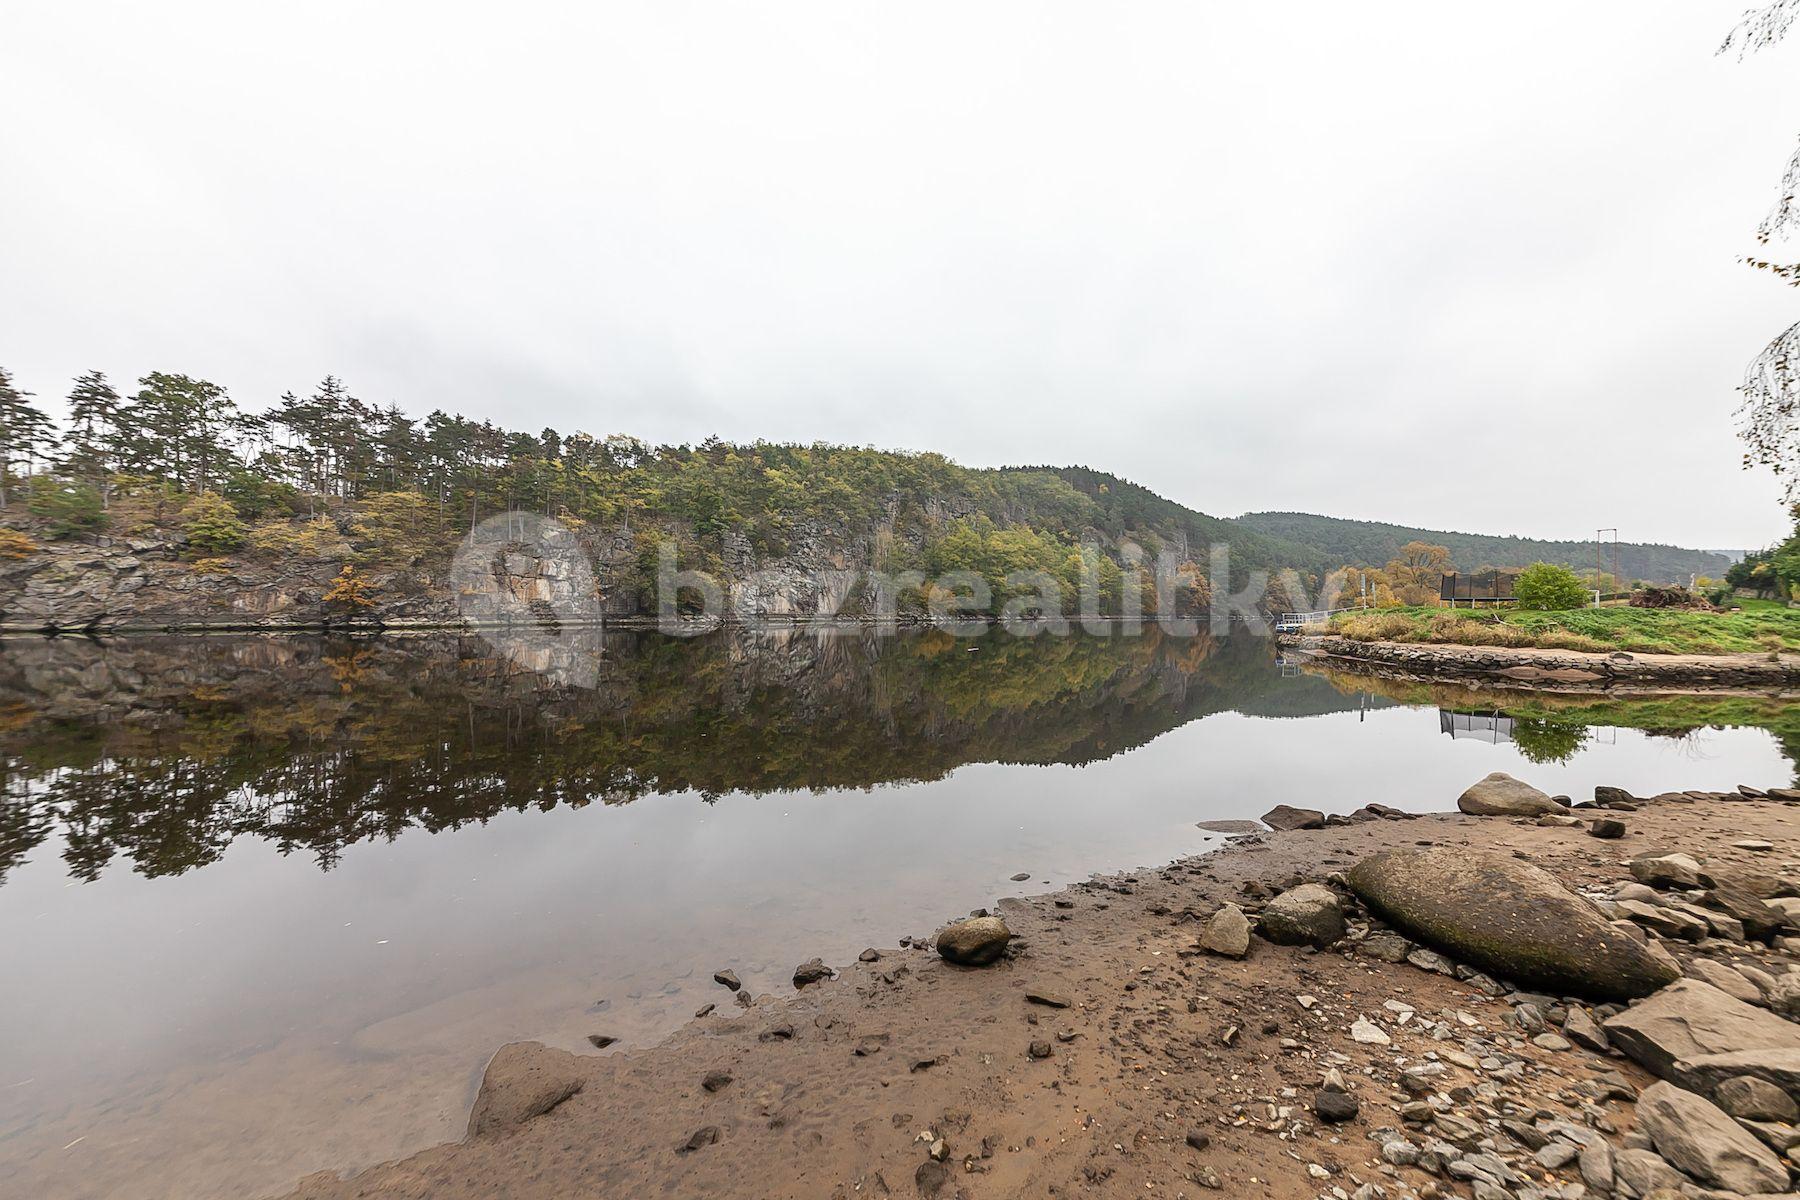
[1127,505]
[1374,543]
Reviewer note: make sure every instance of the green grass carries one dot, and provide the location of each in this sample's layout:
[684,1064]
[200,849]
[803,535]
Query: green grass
[1752,605]
[1637,630]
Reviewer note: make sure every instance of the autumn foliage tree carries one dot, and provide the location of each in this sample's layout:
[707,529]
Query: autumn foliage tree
[350,592]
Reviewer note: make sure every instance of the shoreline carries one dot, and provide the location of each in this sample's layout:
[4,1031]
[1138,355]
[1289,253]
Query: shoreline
[1105,1055]
[684,627]
[1617,673]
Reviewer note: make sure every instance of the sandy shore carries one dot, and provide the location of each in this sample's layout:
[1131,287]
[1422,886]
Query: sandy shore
[842,1089]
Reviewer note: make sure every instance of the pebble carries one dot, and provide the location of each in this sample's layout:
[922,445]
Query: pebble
[1335,1107]
[1369,1033]
[811,971]
[729,979]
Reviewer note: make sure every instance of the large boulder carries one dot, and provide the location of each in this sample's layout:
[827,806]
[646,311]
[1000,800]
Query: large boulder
[1285,817]
[1695,1135]
[1308,915]
[523,1081]
[1500,795]
[1509,918]
[1690,1019]
[975,942]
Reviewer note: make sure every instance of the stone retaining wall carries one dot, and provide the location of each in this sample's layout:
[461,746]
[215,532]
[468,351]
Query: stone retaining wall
[1553,667]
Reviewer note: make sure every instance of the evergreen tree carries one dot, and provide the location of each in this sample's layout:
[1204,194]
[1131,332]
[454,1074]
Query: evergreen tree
[25,432]
[94,408]
[178,428]
[212,524]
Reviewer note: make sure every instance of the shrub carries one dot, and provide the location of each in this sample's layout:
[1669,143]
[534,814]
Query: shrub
[1547,587]
[69,506]
[305,539]
[350,592]
[212,524]
[16,545]
[1450,625]
[1375,627]
[400,527]
[255,497]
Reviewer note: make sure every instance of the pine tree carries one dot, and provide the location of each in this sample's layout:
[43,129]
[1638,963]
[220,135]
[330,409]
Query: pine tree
[178,428]
[94,408]
[25,432]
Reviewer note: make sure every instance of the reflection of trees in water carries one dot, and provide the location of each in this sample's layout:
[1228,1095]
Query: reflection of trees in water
[1551,727]
[1542,740]
[161,753]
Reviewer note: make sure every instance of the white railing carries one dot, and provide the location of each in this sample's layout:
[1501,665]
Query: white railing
[1289,621]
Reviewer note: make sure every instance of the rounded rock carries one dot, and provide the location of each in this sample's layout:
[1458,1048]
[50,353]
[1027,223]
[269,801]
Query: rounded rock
[976,942]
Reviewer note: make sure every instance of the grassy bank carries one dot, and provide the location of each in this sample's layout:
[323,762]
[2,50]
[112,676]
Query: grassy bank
[1638,630]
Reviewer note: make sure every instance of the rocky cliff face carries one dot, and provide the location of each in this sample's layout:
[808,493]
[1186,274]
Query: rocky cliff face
[107,584]
[121,583]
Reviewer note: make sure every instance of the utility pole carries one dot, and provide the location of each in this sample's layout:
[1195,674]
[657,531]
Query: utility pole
[1600,560]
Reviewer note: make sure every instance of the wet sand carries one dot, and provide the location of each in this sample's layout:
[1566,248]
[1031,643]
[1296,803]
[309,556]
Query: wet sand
[833,1090]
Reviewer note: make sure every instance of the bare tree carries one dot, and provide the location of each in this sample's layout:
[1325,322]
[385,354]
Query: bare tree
[1770,413]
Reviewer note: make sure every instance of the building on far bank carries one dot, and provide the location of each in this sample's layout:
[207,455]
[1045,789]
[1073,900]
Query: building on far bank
[1477,587]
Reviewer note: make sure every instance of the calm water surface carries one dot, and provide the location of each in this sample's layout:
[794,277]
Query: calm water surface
[268,904]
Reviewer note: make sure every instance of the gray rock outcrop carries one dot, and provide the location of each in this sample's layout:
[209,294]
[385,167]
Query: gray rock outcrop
[1690,1019]
[1695,1135]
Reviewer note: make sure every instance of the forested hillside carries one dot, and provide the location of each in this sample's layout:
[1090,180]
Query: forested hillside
[1372,543]
[325,499]
[258,498]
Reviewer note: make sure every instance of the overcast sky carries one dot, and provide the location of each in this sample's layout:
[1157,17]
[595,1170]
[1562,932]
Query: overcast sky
[1457,266]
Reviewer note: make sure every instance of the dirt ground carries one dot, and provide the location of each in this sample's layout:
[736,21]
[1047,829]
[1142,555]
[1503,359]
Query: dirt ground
[842,1089]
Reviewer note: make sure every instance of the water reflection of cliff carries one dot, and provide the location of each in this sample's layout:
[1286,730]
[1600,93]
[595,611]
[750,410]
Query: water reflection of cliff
[161,752]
